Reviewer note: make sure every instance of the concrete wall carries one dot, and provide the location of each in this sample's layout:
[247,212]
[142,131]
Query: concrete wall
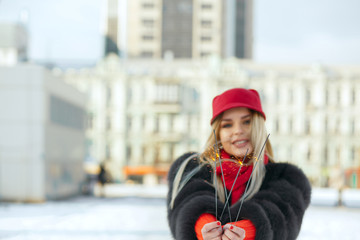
[64,139]
[30,143]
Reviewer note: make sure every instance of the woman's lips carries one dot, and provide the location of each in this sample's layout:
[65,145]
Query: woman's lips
[240,143]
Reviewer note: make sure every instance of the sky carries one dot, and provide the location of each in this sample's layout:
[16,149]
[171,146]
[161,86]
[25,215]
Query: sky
[296,31]
[303,31]
[67,30]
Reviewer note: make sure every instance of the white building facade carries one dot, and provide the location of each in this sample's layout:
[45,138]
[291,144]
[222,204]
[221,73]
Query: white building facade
[42,138]
[147,113]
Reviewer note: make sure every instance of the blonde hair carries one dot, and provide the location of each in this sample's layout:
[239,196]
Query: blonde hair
[258,138]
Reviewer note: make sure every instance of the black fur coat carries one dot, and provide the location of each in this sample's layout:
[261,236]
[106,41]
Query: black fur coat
[276,210]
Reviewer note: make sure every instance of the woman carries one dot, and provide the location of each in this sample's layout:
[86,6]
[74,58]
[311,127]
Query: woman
[267,199]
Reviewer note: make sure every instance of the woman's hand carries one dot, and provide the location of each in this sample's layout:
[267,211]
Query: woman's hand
[212,231]
[232,232]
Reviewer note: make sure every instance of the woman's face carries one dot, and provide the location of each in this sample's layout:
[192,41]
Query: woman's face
[235,131]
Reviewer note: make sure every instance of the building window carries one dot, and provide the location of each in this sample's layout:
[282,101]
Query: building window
[326,126]
[290,125]
[172,147]
[143,121]
[108,123]
[326,155]
[108,95]
[353,96]
[148,5]
[338,153]
[277,125]
[261,92]
[337,126]
[352,127]
[128,154]
[206,6]
[206,23]
[290,152]
[90,121]
[206,38]
[327,97]
[147,54]
[204,54]
[189,123]
[129,123]
[338,96]
[184,7]
[167,93]
[148,22]
[66,114]
[308,96]
[157,124]
[129,94]
[307,126]
[325,160]
[353,155]
[171,122]
[147,37]
[308,155]
[112,26]
[108,151]
[291,96]
[143,153]
[277,95]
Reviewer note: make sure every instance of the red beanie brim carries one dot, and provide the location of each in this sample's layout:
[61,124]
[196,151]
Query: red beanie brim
[236,97]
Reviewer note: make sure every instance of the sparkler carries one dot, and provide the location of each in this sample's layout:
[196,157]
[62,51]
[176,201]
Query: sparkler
[237,175]
[222,172]
[247,185]
[216,209]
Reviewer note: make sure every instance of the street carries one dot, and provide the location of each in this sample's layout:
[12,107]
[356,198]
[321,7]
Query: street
[135,218]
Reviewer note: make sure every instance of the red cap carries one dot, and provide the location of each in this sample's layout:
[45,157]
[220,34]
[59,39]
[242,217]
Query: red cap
[236,97]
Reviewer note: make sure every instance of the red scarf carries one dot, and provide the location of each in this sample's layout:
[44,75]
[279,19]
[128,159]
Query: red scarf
[230,170]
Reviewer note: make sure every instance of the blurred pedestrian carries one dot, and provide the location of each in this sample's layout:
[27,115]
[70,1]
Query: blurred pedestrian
[267,199]
[102,179]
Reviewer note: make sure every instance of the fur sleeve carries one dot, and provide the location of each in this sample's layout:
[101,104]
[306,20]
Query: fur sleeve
[278,208]
[194,199]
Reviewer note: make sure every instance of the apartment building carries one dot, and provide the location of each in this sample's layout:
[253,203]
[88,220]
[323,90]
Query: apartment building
[181,28]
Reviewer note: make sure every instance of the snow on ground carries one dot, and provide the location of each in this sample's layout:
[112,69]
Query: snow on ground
[134,218]
[85,218]
[330,223]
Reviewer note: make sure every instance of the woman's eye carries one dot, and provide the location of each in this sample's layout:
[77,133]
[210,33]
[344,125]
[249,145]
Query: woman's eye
[226,125]
[247,122]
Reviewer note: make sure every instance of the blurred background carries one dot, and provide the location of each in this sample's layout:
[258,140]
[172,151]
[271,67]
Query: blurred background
[121,88]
